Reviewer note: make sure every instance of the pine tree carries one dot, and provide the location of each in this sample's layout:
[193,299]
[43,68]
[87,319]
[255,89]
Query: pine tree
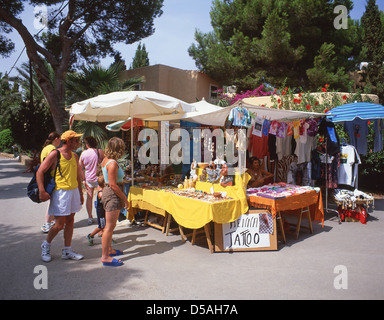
[141,57]
[373,37]
[273,41]
[373,31]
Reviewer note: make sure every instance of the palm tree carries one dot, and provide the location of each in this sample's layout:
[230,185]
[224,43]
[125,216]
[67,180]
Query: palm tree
[92,81]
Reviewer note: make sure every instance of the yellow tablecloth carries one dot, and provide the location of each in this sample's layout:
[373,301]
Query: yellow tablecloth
[191,213]
[237,191]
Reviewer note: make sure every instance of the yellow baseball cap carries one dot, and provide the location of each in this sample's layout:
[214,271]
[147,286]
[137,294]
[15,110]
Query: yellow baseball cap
[69,135]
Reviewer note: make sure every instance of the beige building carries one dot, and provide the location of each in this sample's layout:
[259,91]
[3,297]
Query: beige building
[187,85]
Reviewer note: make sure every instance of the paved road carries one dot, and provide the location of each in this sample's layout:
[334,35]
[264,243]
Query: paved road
[160,267]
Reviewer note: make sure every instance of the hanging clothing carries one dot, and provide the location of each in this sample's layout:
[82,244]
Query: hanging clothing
[303,132]
[358,133]
[274,127]
[296,129]
[303,151]
[240,117]
[283,145]
[266,126]
[349,161]
[290,129]
[316,165]
[258,127]
[258,145]
[282,130]
[282,169]
[327,129]
[378,128]
[332,170]
[313,127]
[272,146]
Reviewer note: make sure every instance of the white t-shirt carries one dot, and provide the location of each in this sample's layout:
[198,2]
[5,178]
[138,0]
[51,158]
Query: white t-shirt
[258,127]
[348,158]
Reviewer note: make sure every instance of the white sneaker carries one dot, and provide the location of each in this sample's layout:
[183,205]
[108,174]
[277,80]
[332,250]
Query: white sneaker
[46,226]
[46,252]
[70,254]
[90,221]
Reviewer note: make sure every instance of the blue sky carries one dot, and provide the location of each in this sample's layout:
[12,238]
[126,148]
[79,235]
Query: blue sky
[174,33]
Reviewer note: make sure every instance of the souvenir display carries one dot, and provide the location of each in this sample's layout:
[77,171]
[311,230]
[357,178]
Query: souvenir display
[200,195]
[353,205]
[351,199]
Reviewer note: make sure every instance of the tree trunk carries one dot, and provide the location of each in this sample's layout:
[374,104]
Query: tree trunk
[55,95]
[54,92]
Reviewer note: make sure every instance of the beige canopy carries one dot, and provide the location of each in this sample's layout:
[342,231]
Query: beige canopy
[124,104]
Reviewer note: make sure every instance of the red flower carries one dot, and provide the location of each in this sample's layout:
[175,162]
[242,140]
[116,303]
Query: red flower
[321,139]
[278,100]
[326,110]
[283,93]
[299,95]
[316,103]
[326,85]
[345,97]
[324,89]
[308,107]
[286,88]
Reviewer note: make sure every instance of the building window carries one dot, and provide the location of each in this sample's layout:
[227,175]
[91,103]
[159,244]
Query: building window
[213,92]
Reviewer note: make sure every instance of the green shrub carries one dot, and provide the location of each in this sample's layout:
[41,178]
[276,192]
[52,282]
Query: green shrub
[6,140]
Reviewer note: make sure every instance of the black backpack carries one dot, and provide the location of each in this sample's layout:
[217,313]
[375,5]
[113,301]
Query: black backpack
[49,182]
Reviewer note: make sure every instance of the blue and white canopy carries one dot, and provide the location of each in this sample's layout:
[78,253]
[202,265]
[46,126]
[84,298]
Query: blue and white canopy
[351,111]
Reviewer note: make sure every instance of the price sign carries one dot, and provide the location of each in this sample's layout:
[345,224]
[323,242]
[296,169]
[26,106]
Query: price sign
[255,230]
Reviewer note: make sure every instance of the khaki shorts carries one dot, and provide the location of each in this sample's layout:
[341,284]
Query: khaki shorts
[110,200]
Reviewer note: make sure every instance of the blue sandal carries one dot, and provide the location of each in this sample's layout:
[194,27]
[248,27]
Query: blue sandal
[118,253]
[114,263]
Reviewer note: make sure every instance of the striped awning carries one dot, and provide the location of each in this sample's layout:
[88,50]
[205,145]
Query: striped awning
[351,111]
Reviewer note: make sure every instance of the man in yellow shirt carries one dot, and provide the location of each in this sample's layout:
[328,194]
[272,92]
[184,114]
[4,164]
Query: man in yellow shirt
[52,143]
[67,198]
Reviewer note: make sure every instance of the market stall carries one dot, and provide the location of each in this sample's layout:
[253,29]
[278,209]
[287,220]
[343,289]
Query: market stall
[353,205]
[209,202]
[189,208]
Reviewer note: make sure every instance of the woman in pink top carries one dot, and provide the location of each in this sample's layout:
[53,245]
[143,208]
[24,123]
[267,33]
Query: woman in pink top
[88,162]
